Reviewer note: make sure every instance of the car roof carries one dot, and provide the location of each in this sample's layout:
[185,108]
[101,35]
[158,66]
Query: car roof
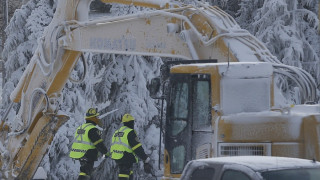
[263,163]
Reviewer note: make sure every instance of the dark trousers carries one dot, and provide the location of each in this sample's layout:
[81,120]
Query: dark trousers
[125,165]
[86,168]
[125,172]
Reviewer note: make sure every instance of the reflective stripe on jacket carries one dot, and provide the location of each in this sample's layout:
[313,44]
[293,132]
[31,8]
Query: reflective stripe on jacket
[82,142]
[120,143]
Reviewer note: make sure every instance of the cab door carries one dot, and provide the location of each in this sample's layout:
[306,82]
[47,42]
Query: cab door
[178,125]
[188,125]
[201,133]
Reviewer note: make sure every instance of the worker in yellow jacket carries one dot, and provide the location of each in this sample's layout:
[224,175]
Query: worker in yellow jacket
[126,148]
[87,143]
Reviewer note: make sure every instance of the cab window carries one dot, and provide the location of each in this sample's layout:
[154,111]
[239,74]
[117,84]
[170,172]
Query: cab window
[180,94]
[232,175]
[201,105]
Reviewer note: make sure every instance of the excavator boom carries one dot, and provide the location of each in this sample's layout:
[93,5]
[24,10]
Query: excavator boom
[186,32]
[27,136]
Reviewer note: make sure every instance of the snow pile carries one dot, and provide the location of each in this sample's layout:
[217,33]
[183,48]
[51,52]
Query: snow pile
[303,109]
[252,82]
[250,95]
[245,70]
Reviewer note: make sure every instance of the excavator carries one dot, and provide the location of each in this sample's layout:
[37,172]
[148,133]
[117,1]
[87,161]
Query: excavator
[175,30]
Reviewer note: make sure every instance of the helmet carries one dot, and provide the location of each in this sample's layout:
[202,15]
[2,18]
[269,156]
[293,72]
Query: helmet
[92,112]
[92,115]
[127,118]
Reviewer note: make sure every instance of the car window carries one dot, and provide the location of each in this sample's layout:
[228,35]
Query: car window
[203,173]
[292,174]
[234,175]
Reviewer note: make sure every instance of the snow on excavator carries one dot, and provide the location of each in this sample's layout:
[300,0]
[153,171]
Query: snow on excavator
[174,30]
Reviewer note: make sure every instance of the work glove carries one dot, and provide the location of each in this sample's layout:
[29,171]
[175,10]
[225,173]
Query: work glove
[147,166]
[105,156]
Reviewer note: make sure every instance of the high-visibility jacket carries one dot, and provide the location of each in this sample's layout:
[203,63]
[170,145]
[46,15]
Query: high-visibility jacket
[120,143]
[82,142]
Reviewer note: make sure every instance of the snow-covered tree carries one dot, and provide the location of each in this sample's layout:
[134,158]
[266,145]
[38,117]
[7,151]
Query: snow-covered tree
[21,41]
[247,11]
[282,26]
[288,28]
[230,6]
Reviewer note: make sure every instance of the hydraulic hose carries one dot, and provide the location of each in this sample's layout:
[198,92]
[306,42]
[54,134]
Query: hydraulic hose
[30,110]
[85,66]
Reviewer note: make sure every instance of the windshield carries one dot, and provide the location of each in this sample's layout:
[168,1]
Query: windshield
[292,174]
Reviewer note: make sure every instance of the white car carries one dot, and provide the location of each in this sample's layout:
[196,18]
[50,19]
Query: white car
[251,168]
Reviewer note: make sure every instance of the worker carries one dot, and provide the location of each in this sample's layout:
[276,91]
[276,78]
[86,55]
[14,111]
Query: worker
[126,147]
[87,143]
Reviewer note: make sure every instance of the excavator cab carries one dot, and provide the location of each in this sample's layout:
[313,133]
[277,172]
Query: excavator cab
[195,97]
[227,109]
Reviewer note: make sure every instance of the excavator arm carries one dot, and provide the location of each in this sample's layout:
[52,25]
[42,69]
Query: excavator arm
[25,138]
[186,32]
[175,30]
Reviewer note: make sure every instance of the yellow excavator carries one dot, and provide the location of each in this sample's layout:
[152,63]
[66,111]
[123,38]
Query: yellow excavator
[170,29]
